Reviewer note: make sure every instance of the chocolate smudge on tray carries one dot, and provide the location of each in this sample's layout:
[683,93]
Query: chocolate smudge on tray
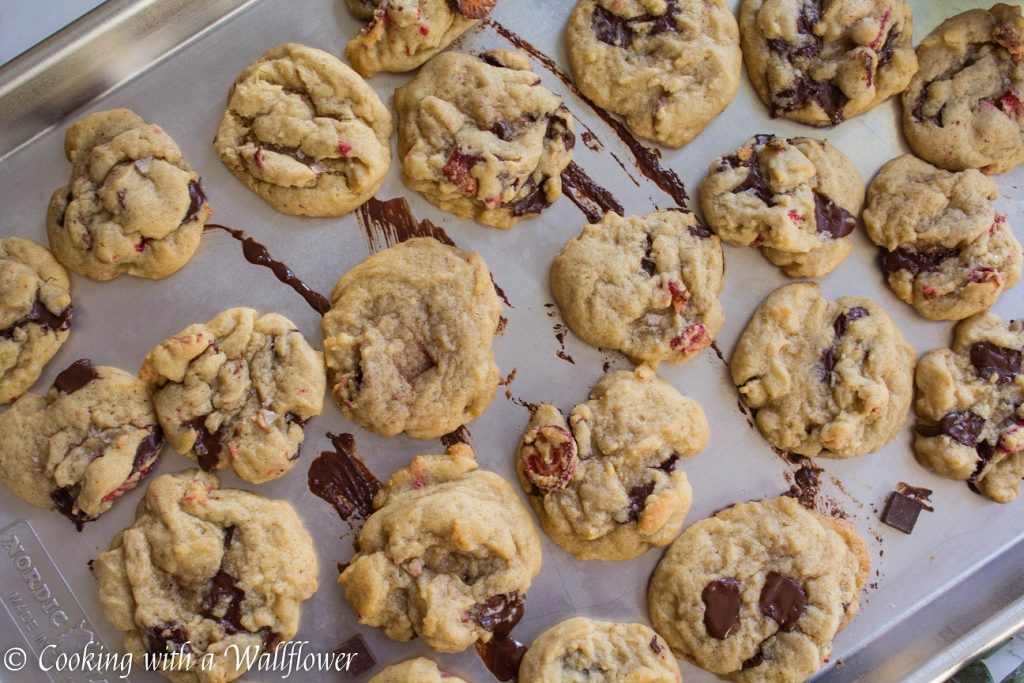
[459,435]
[502,654]
[386,223]
[718,352]
[647,159]
[257,254]
[560,330]
[590,141]
[342,479]
[592,199]
[805,485]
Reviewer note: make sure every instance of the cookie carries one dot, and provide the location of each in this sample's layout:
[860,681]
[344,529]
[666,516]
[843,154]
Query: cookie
[797,199]
[828,378]
[88,441]
[821,62]
[35,313]
[403,34]
[947,252]
[645,285]
[668,68]
[236,392]
[604,483]
[305,132]
[970,407]
[419,670]
[580,650]
[447,552]
[482,138]
[133,205]
[409,337]
[963,109]
[203,569]
[758,591]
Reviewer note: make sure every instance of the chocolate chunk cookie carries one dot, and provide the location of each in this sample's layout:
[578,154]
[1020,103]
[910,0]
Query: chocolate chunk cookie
[604,483]
[668,67]
[447,552]
[757,592]
[482,138]
[408,339]
[305,132]
[823,61]
[970,405]
[237,392]
[825,378]
[419,670]
[403,34]
[133,204]
[581,650]
[645,285]
[797,199]
[35,313]
[89,440]
[204,568]
[947,252]
[964,109]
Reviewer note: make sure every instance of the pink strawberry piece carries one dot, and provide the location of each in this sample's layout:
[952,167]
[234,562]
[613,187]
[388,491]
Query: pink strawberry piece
[141,246]
[457,171]
[1011,105]
[258,157]
[928,291]
[795,217]
[692,339]
[982,274]
[678,295]
[882,25]
[424,31]
[344,148]
[1012,440]
[549,457]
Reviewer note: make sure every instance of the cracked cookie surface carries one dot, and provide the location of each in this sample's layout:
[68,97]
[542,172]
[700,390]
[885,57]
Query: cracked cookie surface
[409,339]
[604,482]
[403,34]
[89,440]
[133,205]
[970,407]
[797,199]
[821,62]
[419,670]
[482,138]
[668,67]
[581,650]
[948,252]
[236,392]
[825,378]
[35,313]
[447,549]
[305,132]
[758,591]
[963,109]
[203,568]
[645,285]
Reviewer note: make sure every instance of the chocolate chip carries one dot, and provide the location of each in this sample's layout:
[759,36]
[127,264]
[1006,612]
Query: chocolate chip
[655,646]
[499,613]
[167,638]
[832,219]
[491,59]
[362,657]
[148,449]
[901,512]
[501,129]
[887,50]
[847,316]
[700,231]
[916,261]
[721,600]
[40,315]
[806,91]
[223,602]
[208,444]
[963,426]
[534,201]
[828,356]
[63,214]
[617,31]
[64,499]
[638,500]
[669,464]
[75,376]
[647,263]
[756,660]
[989,359]
[196,200]
[783,600]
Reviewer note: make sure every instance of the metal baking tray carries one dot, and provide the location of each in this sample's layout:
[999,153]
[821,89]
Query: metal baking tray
[936,597]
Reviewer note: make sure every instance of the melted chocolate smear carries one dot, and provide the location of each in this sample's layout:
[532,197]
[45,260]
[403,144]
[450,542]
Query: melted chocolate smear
[963,426]
[810,14]
[886,52]
[40,315]
[783,600]
[805,485]
[832,219]
[721,600]
[718,352]
[257,254]
[64,499]
[646,158]
[756,660]
[460,435]
[989,359]
[166,638]
[918,493]
[592,199]
[148,448]
[196,200]
[362,656]
[386,223]
[207,445]
[638,499]
[499,615]
[342,479]
[755,180]
[501,292]
[617,31]
[76,376]
[828,356]
[916,261]
[534,201]
[591,142]
[805,91]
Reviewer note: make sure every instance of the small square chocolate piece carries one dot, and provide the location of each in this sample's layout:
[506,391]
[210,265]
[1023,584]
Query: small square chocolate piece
[901,512]
[362,658]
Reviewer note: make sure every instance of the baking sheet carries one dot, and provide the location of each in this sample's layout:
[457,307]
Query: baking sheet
[958,571]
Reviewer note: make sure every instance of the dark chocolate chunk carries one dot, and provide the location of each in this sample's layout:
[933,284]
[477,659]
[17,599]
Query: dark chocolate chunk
[534,201]
[611,29]
[847,317]
[502,657]
[342,479]
[783,600]
[647,263]
[828,356]
[164,639]
[989,359]
[669,464]
[63,214]
[832,219]
[208,444]
[916,261]
[594,200]
[75,376]
[64,499]
[960,425]
[501,129]
[223,602]
[148,449]
[756,660]
[196,200]
[638,500]
[499,613]
[362,657]
[721,607]
[805,91]
[40,315]
[901,512]
[885,53]
[700,231]
[655,647]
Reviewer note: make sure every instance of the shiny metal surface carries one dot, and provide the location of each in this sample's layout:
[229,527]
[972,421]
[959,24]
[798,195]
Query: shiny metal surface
[936,597]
